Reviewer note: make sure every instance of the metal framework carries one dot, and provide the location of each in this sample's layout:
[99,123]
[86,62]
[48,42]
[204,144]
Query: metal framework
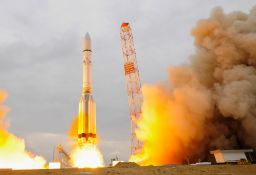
[61,156]
[133,84]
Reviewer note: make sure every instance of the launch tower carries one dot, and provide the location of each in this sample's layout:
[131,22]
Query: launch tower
[133,84]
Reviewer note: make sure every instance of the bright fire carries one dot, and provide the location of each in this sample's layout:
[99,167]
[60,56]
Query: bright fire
[87,156]
[172,125]
[12,149]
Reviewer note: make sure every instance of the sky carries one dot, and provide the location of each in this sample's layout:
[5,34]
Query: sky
[41,46]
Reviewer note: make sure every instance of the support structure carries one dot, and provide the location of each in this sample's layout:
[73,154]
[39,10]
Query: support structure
[133,84]
[61,156]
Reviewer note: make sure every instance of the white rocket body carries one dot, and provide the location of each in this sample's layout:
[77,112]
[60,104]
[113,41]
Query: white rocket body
[87,106]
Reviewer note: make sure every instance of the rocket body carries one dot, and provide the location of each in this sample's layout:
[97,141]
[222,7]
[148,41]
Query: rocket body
[87,106]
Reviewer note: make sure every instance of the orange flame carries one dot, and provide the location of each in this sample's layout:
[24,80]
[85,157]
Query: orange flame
[169,127]
[12,149]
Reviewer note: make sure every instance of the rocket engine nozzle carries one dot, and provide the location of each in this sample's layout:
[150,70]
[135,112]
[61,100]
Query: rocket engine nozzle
[86,138]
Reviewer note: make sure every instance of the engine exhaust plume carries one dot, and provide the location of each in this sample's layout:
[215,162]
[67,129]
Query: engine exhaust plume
[209,103]
[12,149]
[85,155]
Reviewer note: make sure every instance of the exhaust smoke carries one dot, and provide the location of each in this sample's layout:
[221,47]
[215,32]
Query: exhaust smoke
[209,103]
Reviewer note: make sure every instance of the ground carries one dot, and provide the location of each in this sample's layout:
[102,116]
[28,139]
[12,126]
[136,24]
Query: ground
[148,170]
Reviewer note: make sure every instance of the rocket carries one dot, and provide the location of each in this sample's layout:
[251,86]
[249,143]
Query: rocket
[87,107]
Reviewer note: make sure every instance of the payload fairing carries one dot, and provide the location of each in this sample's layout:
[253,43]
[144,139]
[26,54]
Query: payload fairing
[87,106]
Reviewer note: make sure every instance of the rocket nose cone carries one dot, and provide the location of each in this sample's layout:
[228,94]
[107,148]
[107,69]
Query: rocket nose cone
[87,42]
[87,36]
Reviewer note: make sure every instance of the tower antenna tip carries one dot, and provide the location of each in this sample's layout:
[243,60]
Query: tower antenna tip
[125,24]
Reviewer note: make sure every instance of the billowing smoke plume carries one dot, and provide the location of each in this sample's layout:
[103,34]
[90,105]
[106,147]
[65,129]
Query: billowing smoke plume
[208,104]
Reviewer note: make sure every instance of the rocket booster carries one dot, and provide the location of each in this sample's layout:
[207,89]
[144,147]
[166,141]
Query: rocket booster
[87,106]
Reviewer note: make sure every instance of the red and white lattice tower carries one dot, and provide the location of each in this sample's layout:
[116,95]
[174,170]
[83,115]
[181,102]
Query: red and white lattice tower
[133,84]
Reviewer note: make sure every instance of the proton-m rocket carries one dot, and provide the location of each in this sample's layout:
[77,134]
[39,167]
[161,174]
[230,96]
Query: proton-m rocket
[87,106]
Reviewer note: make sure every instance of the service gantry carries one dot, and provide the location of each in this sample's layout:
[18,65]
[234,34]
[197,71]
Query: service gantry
[60,155]
[133,84]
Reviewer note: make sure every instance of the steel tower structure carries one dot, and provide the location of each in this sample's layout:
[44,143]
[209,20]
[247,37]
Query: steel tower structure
[60,155]
[133,84]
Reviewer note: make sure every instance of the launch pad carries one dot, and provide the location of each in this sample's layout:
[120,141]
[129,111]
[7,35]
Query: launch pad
[156,170]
